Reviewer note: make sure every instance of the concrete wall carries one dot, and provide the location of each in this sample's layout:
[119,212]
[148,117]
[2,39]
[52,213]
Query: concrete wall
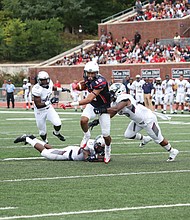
[15,68]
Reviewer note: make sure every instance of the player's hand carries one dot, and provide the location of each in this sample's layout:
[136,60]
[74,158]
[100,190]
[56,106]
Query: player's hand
[91,158]
[54,100]
[63,106]
[93,123]
[100,110]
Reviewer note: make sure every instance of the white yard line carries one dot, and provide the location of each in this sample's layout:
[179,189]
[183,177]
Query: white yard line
[95,211]
[96,175]
[6,208]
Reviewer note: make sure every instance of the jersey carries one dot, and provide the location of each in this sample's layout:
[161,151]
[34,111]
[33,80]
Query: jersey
[69,153]
[44,93]
[158,90]
[137,86]
[26,87]
[168,86]
[188,88]
[103,99]
[181,85]
[136,112]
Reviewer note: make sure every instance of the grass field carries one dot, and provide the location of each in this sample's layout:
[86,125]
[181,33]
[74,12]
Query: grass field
[137,184]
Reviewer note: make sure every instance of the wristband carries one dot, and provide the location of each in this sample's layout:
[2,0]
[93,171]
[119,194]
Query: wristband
[74,103]
[59,89]
[47,103]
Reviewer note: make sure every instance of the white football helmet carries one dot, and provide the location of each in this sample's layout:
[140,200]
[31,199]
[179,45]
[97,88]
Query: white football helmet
[116,89]
[41,76]
[25,80]
[91,67]
[99,144]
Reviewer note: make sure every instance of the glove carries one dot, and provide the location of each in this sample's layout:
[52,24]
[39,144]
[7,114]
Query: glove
[54,100]
[91,158]
[93,123]
[66,90]
[100,110]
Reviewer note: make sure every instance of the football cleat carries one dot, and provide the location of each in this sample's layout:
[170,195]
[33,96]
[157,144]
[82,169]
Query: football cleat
[173,154]
[60,136]
[145,140]
[23,138]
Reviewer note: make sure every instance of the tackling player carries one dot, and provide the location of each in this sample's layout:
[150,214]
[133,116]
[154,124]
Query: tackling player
[43,108]
[98,96]
[92,152]
[141,118]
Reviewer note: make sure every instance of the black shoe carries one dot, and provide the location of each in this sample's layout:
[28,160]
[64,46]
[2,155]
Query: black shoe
[23,138]
[61,137]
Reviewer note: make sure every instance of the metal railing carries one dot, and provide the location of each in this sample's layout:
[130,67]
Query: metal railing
[126,11]
[183,42]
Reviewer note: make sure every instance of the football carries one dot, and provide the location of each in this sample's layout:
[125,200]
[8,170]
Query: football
[81,86]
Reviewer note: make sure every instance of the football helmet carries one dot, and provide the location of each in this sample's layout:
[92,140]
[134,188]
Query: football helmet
[91,67]
[25,80]
[42,75]
[116,89]
[158,80]
[99,144]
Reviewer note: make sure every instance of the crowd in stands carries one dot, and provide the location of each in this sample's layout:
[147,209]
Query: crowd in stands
[107,51]
[166,10]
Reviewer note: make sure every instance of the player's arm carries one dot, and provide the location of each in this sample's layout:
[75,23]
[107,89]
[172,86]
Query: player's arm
[38,102]
[89,98]
[115,109]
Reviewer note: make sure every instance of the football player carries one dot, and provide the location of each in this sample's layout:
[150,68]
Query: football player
[159,96]
[98,96]
[141,118]
[75,94]
[168,86]
[137,88]
[43,108]
[180,93]
[92,152]
[27,95]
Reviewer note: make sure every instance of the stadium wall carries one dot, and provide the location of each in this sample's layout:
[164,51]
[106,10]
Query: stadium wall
[149,30]
[66,74]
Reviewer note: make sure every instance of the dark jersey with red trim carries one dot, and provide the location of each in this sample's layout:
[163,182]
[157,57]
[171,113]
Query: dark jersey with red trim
[103,99]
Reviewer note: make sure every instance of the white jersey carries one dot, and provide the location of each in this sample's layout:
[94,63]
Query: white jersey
[158,90]
[131,90]
[168,86]
[137,86]
[136,112]
[188,88]
[26,87]
[181,85]
[44,93]
[69,153]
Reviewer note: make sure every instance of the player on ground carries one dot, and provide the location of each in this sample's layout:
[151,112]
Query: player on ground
[98,96]
[93,152]
[141,118]
[43,108]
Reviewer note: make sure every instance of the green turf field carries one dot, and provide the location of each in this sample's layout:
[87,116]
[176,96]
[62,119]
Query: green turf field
[137,184]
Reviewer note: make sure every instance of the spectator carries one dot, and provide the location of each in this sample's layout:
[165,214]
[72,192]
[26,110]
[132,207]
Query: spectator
[137,38]
[125,83]
[138,7]
[4,90]
[10,88]
[177,39]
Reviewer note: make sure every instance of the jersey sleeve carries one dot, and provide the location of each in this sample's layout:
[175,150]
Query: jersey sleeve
[36,90]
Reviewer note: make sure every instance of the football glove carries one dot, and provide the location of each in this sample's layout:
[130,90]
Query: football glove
[91,158]
[93,123]
[54,100]
[100,110]
[66,90]
[63,106]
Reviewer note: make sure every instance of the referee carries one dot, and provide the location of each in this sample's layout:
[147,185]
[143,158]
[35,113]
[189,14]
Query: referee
[10,94]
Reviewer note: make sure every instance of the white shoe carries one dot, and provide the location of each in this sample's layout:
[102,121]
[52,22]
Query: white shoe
[145,140]
[173,154]
[107,156]
[164,112]
[171,112]
[84,142]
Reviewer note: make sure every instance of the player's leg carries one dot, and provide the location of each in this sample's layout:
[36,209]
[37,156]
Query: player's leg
[54,118]
[132,132]
[41,123]
[105,124]
[155,133]
[87,114]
